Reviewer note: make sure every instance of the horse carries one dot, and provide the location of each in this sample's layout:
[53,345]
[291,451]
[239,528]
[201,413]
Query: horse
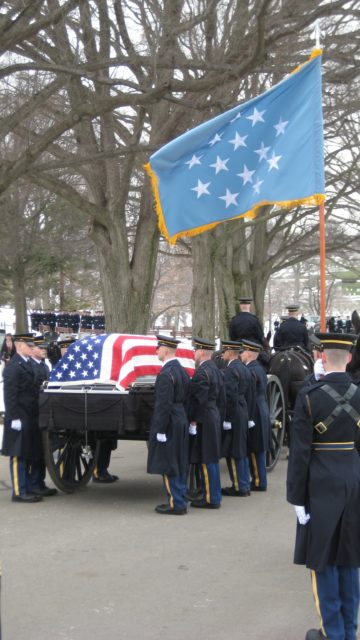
[291,365]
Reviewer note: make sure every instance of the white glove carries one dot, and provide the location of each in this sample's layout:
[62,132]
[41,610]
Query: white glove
[251,424]
[192,429]
[319,371]
[227,426]
[161,437]
[302,516]
[16,424]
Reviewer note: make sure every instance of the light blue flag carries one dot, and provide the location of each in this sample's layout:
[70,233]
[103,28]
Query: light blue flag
[266,151]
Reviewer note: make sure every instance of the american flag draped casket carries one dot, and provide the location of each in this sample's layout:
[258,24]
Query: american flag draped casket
[115,357]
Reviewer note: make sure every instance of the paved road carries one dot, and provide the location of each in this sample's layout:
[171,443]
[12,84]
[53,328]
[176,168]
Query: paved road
[101,564]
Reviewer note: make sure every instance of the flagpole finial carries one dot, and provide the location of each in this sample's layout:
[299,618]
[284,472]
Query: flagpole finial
[317,34]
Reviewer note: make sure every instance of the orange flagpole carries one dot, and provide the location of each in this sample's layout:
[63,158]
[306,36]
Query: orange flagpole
[322,268]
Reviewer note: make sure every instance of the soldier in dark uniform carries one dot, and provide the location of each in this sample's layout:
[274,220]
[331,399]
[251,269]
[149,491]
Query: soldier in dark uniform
[323,484]
[41,374]
[292,332]
[245,324]
[240,396]
[260,428]
[169,429]
[101,472]
[207,410]
[20,441]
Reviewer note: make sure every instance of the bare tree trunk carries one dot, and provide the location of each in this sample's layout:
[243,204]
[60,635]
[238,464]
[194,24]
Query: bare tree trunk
[18,280]
[203,292]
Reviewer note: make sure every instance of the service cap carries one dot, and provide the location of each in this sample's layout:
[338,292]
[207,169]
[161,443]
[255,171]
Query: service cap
[337,340]
[315,342]
[231,345]
[66,342]
[167,341]
[202,343]
[293,307]
[245,300]
[39,341]
[251,345]
[24,337]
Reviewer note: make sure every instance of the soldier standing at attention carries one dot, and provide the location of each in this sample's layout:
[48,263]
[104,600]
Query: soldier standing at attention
[240,397]
[21,442]
[41,374]
[323,484]
[260,432]
[207,409]
[292,332]
[245,324]
[169,429]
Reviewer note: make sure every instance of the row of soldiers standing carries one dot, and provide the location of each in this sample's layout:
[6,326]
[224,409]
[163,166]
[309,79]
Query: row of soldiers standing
[219,413]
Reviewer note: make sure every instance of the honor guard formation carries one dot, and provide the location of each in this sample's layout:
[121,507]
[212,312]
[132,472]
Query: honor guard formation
[222,412]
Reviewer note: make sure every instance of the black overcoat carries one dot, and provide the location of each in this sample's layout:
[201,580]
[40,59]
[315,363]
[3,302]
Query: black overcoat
[21,403]
[291,333]
[259,438]
[246,325]
[207,409]
[170,417]
[326,482]
[239,390]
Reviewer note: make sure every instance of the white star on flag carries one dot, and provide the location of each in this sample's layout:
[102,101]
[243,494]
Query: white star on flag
[280,127]
[246,175]
[238,115]
[230,198]
[194,160]
[256,117]
[273,161]
[214,140]
[262,152]
[257,186]
[238,141]
[202,188]
[220,165]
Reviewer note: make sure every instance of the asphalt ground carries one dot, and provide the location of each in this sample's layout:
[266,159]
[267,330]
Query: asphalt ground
[101,564]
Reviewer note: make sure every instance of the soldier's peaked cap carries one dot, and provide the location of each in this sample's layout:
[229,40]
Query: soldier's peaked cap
[245,300]
[251,345]
[66,342]
[39,341]
[24,337]
[167,341]
[292,307]
[202,343]
[337,340]
[231,345]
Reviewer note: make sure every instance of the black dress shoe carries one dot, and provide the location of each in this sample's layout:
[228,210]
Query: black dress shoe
[202,504]
[255,488]
[168,511]
[230,491]
[44,492]
[106,478]
[315,634]
[26,497]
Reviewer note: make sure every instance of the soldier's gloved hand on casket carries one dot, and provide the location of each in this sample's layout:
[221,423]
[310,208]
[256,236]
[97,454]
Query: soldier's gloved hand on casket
[251,424]
[226,426]
[16,424]
[192,429]
[161,437]
[301,514]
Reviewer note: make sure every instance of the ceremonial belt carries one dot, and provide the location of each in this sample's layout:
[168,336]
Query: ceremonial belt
[342,405]
[333,446]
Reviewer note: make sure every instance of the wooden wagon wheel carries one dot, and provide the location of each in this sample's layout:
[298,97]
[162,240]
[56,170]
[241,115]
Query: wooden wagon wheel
[70,460]
[276,403]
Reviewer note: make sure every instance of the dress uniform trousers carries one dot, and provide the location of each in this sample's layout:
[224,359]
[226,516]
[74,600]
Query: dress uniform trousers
[336,594]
